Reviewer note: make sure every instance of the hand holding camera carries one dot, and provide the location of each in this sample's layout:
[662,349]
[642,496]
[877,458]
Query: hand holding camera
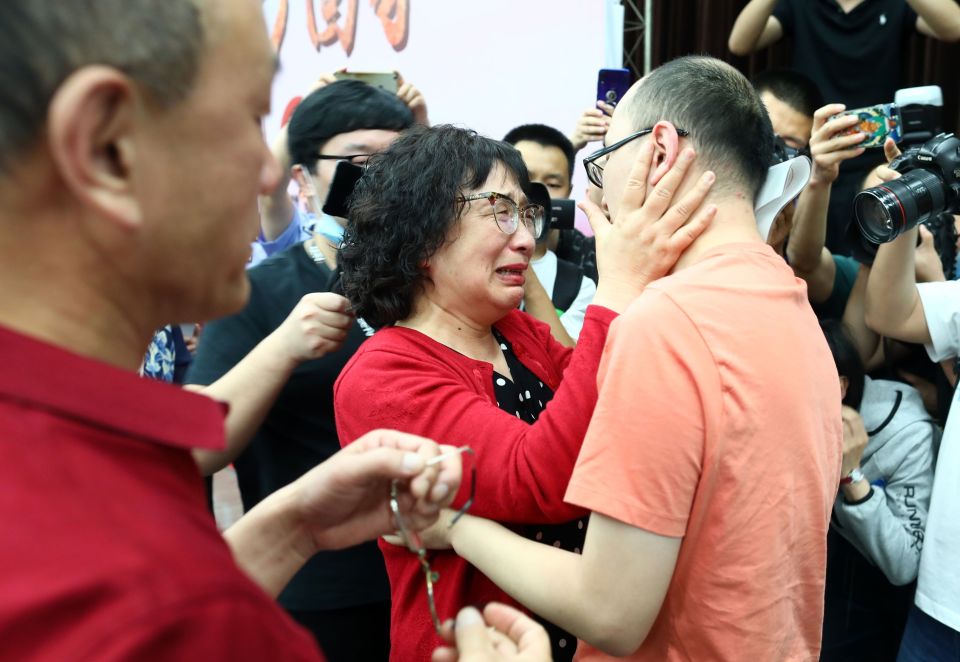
[832,143]
[928,186]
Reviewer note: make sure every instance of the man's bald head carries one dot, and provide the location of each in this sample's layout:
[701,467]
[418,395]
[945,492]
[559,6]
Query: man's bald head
[42,42]
[718,107]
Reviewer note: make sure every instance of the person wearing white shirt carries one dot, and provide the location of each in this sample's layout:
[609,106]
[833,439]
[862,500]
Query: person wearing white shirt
[927,313]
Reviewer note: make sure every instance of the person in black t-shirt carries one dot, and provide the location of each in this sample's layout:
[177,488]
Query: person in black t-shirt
[852,51]
[341,596]
[850,48]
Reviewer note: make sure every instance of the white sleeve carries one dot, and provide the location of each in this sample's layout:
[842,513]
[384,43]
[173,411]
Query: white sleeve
[572,319]
[941,309]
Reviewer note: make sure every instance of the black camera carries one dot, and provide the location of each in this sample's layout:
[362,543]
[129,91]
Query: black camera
[784,152]
[930,186]
[559,213]
[563,212]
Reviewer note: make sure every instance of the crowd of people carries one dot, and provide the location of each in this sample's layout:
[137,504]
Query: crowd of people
[459,431]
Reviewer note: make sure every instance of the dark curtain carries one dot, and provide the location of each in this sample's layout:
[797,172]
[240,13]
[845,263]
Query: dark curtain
[682,27]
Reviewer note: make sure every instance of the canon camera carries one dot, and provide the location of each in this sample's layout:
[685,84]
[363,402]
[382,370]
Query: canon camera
[930,185]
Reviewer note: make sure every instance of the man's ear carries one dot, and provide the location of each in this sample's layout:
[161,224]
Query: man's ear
[666,143]
[304,182]
[844,385]
[90,128]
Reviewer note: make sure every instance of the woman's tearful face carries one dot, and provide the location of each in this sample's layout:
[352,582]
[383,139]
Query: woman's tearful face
[480,271]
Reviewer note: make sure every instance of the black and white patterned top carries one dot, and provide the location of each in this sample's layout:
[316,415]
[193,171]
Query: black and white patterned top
[525,397]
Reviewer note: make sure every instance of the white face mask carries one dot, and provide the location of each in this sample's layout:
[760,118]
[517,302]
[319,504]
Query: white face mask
[332,230]
[784,182]
[313,201]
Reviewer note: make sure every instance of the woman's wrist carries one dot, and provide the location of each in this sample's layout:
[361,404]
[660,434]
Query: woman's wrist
[459,531]
[616,295]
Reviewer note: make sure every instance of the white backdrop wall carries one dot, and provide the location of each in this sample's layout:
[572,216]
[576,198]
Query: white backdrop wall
[486,64]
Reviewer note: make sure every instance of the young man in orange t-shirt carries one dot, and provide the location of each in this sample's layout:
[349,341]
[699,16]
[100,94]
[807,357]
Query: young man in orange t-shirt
[713,456]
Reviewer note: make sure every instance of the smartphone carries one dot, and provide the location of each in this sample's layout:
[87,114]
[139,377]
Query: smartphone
[345,178]
[385,80]
[878,122]
[612,84]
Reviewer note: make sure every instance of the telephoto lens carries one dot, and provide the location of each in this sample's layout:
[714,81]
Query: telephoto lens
[885,212]
[930,185]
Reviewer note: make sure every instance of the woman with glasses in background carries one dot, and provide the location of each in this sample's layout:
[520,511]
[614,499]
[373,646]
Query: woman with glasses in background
[435,256]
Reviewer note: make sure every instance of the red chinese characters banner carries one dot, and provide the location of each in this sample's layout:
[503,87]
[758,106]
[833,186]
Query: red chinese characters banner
[486,64]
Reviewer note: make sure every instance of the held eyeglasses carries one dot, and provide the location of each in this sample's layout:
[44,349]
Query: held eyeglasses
[411,540]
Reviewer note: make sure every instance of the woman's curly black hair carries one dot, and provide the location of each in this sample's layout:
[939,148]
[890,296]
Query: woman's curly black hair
[403,208]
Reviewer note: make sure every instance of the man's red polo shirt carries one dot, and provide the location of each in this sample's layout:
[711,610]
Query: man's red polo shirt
[108,549]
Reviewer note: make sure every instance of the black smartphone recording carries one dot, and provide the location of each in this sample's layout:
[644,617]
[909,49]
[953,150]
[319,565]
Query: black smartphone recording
[345,178]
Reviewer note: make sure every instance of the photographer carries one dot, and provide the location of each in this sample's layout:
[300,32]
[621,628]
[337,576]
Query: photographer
[835,283]
[849,48]
[338,120]
[549,155]
[927,313]
[829,277]
[791,99]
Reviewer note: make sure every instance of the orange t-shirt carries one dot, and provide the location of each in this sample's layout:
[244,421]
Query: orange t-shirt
[718,421]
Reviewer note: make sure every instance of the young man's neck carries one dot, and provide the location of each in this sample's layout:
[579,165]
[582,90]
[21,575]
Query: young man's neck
[735,222]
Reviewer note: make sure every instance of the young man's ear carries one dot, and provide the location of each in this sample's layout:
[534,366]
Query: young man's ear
[90,134]
[666,143]
[844,385]
[301,176]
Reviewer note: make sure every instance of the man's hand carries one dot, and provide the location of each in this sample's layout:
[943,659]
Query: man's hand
[346,500]
[323,80]
[592,125]
[411,96]
[406,92]
[343,502]
[501,633]
[650,231]
[883,173]
[317,326]
[829,145]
